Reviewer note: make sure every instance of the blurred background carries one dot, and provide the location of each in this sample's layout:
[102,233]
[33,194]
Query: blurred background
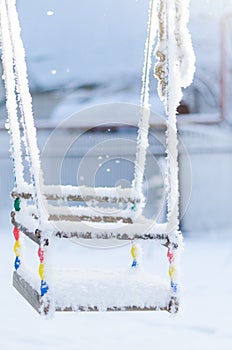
[80,56]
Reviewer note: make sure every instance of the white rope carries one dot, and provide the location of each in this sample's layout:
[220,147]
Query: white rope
[143,125]
[11,100]
[26,107]
[174,70]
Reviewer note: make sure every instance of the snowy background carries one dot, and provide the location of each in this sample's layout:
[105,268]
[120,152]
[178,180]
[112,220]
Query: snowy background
[84,54]
[79,55]
[204,322]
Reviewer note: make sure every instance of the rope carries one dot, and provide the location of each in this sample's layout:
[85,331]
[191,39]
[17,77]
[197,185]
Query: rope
[143,124]
[18,83]
[22,89]
[11,100]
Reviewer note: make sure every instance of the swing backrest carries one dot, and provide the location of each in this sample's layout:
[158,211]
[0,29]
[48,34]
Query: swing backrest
[107,205]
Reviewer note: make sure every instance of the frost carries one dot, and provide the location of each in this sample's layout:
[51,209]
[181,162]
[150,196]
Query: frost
[143,125]
[16,80]
[174,70]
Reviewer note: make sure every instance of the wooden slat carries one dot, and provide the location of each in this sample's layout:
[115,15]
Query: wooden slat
[103,218]
[26,231]
[77,217]
[89,235]
[115,235]
[34,299]
[126,308]
[29,293]
[79,198]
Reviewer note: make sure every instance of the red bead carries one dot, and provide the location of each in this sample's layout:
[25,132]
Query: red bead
[170,256]
[41,254]
[16,233]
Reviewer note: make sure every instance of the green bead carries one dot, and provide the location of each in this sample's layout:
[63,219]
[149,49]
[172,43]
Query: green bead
[133,207]
[17,204]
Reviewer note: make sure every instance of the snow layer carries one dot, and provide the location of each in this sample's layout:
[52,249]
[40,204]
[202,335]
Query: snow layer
[106,288]
[204,323]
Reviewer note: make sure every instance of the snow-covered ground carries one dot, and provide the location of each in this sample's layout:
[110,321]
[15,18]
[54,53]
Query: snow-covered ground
[204,322]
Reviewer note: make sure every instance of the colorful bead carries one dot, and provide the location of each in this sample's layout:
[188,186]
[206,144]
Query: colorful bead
[41,271]
[17,263]
[134,263]
[171,271]
[170,256]
[17,247]
[43,288]
[17,204]
[133,207]
[16,233]
[41,254]
[133,251]
[173,287]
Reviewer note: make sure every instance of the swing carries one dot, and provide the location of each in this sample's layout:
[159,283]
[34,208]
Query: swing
[115,291]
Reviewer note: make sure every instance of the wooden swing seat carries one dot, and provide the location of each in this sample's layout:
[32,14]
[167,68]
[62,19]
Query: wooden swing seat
[87,227]
[130,291]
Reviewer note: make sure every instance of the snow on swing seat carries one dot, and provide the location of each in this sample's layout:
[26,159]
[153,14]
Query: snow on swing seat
[101,290]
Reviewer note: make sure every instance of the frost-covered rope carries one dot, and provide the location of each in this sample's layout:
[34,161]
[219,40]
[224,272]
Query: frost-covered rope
[161,67]
[143,125]
[11,100]
[174,70]
[21,88]
[185,51]
[26,108]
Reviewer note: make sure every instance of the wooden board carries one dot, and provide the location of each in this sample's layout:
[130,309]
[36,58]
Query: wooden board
[163,238]
[30,294]
[126,308]
[23,229]
[87,218]
[34,299]
[80,198]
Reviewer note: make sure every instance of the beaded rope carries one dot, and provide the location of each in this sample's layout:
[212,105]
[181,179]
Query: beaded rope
[16,232]
[171,270]
[42,253]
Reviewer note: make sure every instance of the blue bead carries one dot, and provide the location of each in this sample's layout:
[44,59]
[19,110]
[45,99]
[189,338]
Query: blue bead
[43,288]
[134,263]
[173,287]
[17,263]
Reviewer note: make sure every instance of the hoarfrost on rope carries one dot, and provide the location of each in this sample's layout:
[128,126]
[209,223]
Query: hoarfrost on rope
[182,56]
[174,71]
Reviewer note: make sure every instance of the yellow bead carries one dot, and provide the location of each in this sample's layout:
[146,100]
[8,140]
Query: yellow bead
[171,271]
[133,251]
[17,247]
[41,271]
